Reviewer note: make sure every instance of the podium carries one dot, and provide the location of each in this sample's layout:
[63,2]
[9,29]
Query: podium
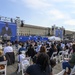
[6,38]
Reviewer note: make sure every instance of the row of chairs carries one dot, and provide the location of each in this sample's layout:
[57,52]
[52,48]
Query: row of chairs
[60,56]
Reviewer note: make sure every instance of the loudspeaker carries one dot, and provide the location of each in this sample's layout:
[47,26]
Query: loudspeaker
[64,32]
[48,31]
[22,24]
[52,28]
[11,20]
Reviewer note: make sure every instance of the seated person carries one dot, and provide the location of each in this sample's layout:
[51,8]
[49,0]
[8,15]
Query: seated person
[42,66]
[21,57]
[30,52]
[2,58]
[52,63]
[22,48]
[8,48]
[9,53]
[52,49]
[71,61]
[42,50]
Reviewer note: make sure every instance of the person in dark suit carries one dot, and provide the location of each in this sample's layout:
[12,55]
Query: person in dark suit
[6,31]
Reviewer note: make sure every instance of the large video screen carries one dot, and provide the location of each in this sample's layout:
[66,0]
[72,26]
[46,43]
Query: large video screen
[8,29]
[59,33]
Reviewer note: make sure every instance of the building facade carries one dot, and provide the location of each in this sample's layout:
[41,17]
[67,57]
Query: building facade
[33,30]
[41,31]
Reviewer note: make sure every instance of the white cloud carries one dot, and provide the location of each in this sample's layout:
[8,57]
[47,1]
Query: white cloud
[73,12]
[72,1]
[37,3]
[70,5]
[70,22]
[56,14]
[58,0]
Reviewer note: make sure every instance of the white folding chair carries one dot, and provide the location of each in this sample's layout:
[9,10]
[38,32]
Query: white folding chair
[60,56]
[66,53]
[54,56]
[23,52]
[20,59]
[61,73]
[69,55]
[73,71]
[25,63]
[5,64]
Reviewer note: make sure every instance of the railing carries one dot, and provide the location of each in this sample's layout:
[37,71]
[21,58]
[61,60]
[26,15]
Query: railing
[11,20]
[7,19]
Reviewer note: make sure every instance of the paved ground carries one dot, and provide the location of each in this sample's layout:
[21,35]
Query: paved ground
[11,70]
[57,68]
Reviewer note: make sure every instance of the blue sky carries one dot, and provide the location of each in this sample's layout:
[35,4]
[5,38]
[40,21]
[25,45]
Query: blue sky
[41,12]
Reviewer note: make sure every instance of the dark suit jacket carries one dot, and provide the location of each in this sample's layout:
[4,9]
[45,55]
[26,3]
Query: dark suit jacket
[4,31]
[10,56]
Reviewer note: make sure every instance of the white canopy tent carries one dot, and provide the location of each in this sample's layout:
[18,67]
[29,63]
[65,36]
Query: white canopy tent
[53,38]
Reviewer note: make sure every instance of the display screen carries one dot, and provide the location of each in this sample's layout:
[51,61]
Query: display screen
[8,29]
[59,33]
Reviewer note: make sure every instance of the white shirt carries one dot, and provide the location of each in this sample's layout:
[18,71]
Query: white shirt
[66,52]
[25,64]
[38,48]
[21,57]
[8,49]
[1,46]
[68,44]
[62,45]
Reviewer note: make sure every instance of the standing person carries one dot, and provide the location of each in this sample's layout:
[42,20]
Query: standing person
[41,67]
[6,31]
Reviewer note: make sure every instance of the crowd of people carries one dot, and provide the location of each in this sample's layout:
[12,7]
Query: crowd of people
[40,53]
